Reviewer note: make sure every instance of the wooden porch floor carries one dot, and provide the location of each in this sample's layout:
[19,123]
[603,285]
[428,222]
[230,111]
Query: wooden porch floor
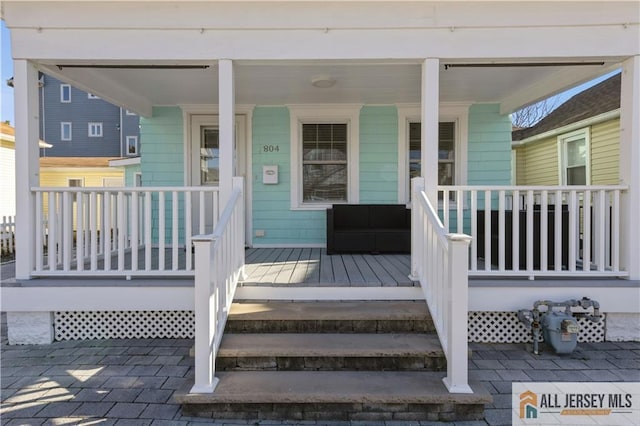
[314,267]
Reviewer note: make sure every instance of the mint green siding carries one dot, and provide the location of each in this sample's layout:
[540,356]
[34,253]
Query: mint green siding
[489,150]
[130,174]
[162,159]
[378,154]
[272,203]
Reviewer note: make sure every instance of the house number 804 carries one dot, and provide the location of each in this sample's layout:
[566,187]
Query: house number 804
[270,148]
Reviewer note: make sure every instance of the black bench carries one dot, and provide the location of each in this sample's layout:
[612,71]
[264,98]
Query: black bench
[368,228]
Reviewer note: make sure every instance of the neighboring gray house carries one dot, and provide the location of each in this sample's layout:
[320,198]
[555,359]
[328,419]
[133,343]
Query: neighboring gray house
[80,124]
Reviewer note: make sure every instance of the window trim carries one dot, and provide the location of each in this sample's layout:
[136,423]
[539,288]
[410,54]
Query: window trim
[135,144]
[325,114]
[457,113]
[62,126]
[98,125]
[562,139]
[62,99]
[127,112]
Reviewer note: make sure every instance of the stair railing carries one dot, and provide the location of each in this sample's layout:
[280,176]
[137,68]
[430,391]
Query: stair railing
[439,261]
[219,264]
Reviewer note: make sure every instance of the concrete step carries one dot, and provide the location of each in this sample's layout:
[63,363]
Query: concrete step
[335,395]
[324,351]
[330,317]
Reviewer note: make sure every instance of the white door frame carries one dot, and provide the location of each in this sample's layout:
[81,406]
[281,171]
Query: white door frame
[202,113]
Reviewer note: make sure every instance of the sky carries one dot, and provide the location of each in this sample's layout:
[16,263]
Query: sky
[7,113]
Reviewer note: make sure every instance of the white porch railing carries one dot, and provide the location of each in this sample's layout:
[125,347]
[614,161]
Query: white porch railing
[438,262]
[219,265]
[120,231]
[557,230]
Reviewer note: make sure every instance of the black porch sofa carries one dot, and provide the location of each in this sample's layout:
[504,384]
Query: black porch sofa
[368,228]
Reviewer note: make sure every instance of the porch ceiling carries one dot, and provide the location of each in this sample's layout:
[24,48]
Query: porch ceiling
[277,83]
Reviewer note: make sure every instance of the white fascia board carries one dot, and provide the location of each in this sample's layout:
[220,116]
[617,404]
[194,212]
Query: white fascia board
[558,82]
[119,298]
[191,45]
[569,128]
[96,83]
[122,162]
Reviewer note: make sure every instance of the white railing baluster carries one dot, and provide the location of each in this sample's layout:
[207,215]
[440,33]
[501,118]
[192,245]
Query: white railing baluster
[162,224]
[501,231]
[529,232]
[615,231]
[93,227]
[201,229]
[515,232]
[544,230]
[80,231]
[602,225]
[148,248]
[106,230]
[573,229]
[487,230]
[445,208]
[39,234]
[459,212]
[122,231]
[51,236]
[134,223]
[586,231]
[474,230]
[558,243]
[174,231]
[67,231]
[188,230]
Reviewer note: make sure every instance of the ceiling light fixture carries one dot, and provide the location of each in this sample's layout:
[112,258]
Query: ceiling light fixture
[323,81]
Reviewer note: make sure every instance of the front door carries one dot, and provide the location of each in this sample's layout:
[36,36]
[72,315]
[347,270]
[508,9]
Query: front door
[204,163]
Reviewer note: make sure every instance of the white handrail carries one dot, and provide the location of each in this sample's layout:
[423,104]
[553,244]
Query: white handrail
[219,264]
[439,262]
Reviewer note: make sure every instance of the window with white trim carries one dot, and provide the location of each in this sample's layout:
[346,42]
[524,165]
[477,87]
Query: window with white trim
[452,151]
[574,158]
[65,93]
[324,155]
[95,130]
[132,145]
[92,96]
[65,131]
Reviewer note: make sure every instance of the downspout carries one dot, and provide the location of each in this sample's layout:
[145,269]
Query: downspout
[121,132]
[43,151]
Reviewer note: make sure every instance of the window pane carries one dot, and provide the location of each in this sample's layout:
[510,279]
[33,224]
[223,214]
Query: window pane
[576,153]
[209,156]
[324,142]
[577,175]
[324,182]
[445,174]
[446,151]
[132,144]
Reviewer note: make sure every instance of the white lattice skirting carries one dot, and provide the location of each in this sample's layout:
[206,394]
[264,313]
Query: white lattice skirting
[484,327]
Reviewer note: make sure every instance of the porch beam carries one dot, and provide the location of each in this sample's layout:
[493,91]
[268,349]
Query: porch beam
[629,170]
[429,118]
[27,165]
[226,100]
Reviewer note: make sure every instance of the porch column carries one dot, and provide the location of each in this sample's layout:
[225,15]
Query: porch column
[226,105]
[629,166]
[429,115]
[27,165]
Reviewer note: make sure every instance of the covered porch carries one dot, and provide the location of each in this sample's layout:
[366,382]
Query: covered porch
[383,87]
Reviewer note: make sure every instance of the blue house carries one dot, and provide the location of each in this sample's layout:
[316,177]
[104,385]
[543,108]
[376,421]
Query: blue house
[258,117]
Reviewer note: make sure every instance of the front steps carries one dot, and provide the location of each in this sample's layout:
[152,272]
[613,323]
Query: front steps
[332,361]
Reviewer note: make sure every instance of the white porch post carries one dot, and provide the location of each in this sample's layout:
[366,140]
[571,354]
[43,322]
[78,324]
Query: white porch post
[27,166]
[629,166]
[429,115]
[226,101]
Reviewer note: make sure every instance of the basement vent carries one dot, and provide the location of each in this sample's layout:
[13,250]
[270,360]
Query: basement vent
[124,325]
[504,327]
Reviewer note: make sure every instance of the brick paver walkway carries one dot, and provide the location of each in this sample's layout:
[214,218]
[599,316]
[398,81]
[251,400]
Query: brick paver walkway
[131,382]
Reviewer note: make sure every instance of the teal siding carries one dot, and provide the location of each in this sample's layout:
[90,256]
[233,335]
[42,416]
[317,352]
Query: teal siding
[379,154]
[489,149]
[130,174]
[162,159]
[272,203]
